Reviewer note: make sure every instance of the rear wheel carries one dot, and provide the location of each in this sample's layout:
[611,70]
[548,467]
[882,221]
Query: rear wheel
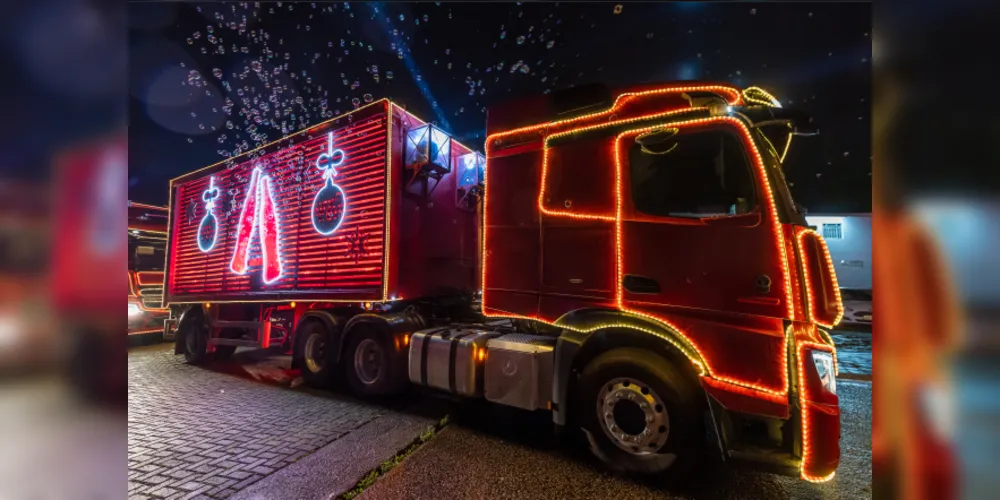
[640,413]
[195,332]
[373,366]
[313,354]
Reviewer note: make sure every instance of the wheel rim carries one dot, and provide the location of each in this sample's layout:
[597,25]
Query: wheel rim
[314,352]
[368,361]
[633,416]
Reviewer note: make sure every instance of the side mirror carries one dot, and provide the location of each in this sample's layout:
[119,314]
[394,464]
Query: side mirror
[800,121]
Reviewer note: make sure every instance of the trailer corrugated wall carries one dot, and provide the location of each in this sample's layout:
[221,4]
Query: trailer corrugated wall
[300,217]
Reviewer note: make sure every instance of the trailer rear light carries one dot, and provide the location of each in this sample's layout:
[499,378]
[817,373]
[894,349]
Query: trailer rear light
[823,361]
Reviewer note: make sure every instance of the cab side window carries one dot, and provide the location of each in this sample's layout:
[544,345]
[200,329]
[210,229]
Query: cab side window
[699,174]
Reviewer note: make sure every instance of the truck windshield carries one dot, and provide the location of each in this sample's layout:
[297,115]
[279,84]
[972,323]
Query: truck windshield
[147,252]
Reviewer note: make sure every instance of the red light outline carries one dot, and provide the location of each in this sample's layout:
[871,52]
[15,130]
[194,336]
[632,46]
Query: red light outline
[771,206]
[736,97]
[810,298]
[803,399]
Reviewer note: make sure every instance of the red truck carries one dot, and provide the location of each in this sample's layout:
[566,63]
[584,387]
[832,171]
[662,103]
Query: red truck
[630,261]
[147,242]
[90,189]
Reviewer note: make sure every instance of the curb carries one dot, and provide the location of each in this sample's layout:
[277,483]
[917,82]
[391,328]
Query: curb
[387,465]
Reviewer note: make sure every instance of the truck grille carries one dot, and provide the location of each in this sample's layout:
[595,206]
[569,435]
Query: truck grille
[152,297]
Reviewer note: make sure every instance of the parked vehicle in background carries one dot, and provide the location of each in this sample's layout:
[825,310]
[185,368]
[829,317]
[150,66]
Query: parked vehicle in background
[631,261]
[147,242]
[857,305]
[90,190]
[27,335]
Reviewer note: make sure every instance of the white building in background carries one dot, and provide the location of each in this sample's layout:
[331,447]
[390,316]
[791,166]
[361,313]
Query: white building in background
[849,237]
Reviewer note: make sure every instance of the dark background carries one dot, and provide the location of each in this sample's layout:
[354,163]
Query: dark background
[182,116]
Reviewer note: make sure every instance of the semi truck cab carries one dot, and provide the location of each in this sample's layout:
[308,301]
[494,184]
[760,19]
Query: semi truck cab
[147,241]
[643,272]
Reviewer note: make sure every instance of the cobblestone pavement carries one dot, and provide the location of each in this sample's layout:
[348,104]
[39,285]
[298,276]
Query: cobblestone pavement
[197,432]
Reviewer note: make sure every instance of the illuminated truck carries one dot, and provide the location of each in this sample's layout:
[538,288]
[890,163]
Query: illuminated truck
[630,261]
[147,242]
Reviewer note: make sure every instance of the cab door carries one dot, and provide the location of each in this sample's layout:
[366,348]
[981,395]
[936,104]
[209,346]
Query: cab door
[697,236]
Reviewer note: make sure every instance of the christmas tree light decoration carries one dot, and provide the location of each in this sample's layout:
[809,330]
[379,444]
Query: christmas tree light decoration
[258,215]
[330,204]
[208,230]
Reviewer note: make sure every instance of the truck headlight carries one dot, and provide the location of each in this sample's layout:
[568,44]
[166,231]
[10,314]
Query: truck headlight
[133,309]
[824,367]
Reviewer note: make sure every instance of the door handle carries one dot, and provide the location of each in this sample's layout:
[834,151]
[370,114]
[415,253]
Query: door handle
[640,284]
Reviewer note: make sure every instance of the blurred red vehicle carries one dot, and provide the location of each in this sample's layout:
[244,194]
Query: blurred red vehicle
[90,188]
[912,453]
[26,339]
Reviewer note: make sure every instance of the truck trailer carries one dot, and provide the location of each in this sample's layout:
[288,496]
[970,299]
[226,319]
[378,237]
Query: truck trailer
[630,261]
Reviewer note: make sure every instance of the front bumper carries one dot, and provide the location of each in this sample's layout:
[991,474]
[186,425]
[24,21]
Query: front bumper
[794,434]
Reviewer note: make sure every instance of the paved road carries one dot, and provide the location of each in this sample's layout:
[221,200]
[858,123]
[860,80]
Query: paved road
[236,430]
[501,453]
[854,353]
[213,432]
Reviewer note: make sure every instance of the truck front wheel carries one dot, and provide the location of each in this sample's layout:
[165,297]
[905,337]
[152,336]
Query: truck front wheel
[639,412]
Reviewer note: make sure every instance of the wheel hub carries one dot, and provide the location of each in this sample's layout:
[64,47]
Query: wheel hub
[368,361]
[634,416]
[314,352]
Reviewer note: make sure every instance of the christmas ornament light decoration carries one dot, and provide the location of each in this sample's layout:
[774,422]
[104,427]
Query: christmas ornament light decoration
[258,215]
[330,204]
[208,229]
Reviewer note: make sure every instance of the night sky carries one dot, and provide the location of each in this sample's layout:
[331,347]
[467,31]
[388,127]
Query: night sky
[212,80]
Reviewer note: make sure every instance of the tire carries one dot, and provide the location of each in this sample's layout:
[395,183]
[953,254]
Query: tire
[372,365]
[649,404]
[313,354]
[195,333]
